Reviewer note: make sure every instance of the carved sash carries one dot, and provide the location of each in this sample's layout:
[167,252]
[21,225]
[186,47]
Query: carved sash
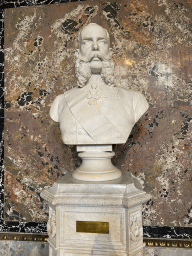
[93,119]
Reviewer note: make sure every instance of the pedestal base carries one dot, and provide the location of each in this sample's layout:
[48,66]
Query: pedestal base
[95,218]
[96,164]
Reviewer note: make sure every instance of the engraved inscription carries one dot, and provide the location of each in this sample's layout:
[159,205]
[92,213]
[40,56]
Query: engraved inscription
[92,227]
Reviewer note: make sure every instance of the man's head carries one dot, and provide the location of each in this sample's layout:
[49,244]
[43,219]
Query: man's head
[94,40]
[94,55]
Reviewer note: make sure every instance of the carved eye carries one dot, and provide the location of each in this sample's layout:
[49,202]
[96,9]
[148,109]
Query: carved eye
[87,42]
[102,41]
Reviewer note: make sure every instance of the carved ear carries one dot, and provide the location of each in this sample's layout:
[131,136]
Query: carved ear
[77,53]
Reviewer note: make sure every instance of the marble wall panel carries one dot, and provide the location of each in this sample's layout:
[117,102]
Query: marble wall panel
[15,248]
[151,41]
[39,59]
[20,248]
[166,251]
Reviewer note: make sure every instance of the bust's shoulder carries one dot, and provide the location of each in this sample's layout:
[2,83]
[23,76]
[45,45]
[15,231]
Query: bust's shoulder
[55,106]
[61,97]
[129,94]
[58,98]
[126,92]
[134,98]
[72,91]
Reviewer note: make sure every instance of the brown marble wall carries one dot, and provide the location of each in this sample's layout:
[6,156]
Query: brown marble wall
[152,42]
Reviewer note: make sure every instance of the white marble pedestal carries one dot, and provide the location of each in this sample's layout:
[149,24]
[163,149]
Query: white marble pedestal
[87,218]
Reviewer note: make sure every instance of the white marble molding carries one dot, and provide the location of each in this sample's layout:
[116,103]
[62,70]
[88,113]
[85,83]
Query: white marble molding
[119,203]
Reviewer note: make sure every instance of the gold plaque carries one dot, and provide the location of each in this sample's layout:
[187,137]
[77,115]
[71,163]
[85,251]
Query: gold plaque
[92,227]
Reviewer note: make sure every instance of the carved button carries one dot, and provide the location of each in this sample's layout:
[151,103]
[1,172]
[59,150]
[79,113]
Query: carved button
[80,132]
[108,112]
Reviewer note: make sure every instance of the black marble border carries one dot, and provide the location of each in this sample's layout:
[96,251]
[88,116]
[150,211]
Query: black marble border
[167,232]
[34,227]
[1,117]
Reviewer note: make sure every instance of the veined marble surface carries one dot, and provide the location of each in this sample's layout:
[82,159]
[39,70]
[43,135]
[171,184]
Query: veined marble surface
[151,41]
[42,249]
[18,248]
[166,252]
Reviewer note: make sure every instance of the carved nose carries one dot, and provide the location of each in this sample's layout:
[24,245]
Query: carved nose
[95,46]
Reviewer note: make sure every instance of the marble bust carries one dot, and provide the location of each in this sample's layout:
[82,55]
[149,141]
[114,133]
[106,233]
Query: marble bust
[96,112]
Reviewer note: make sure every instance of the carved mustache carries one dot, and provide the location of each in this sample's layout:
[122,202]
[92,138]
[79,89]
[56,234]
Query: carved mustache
[93,54]
[98,55]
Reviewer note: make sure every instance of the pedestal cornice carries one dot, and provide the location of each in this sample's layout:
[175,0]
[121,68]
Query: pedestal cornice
[68,191]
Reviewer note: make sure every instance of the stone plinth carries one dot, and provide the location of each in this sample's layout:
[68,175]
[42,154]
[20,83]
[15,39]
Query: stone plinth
[96,164]
[87,218]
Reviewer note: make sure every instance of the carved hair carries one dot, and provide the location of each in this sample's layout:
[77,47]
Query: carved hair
[107,72]
[83,71]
